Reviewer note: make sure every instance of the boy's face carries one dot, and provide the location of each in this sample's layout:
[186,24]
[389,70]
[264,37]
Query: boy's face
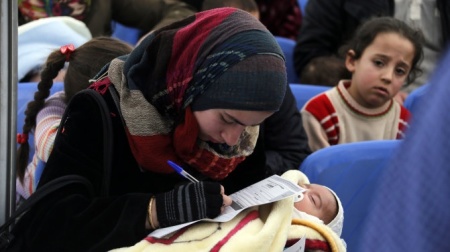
[318,201]
[380,72]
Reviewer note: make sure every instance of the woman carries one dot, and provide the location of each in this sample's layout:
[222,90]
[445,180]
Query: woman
[193,92]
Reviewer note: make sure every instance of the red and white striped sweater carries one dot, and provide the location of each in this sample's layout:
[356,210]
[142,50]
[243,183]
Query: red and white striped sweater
[47,123]
[334,117]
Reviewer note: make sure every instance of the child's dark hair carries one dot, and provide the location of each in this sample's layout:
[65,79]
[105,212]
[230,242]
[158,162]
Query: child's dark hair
[366,33]
[84,63]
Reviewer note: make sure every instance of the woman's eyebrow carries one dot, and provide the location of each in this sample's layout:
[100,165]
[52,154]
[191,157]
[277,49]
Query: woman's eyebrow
[237,121]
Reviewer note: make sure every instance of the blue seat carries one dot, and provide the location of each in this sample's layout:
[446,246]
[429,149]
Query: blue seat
[304,92]
[302,4]
[125,33]
[287,46]
[25,94]
[352,171]
[413,100]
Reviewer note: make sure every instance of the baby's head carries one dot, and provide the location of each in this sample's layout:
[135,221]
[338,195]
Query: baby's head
[318,201]
[321,202]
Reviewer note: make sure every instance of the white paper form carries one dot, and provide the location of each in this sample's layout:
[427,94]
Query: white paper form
[269,190]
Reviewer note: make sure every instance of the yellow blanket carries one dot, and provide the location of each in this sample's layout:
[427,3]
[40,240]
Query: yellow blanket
[264,228]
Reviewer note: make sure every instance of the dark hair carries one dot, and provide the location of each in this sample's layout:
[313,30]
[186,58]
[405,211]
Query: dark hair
[84,63]
[366,33]
[325,71]
[246,5]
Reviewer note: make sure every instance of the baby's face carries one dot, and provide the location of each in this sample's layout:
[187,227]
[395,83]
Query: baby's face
[318,201]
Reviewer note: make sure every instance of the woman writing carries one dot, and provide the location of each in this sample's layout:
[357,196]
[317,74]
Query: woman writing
[193,92]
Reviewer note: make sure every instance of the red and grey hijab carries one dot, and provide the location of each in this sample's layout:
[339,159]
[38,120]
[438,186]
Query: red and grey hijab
[221,58]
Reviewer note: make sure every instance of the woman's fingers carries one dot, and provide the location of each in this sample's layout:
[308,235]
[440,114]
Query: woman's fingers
[226,199]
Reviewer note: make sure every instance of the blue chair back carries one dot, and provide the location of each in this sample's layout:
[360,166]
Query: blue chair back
[352,171]
[302,4]
[304,92]
[287,46]
[413,100]
[125,33]
[25,94]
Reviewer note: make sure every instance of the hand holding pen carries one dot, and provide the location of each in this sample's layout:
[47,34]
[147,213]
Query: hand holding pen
[192,201]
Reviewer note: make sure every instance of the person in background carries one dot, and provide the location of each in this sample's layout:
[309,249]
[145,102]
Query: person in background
[327,25]
[202,86]
[37,39]
[43,115]
[247,5]
[283,18]
[384,54]
[325,71]
[98,14]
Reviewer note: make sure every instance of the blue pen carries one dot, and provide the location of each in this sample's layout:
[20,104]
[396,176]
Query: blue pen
[182,172]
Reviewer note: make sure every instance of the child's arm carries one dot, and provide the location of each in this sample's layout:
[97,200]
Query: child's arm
[47,123]
[317,138]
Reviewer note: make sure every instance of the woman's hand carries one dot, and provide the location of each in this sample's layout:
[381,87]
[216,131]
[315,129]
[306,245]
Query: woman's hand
[189,202]
[226,199]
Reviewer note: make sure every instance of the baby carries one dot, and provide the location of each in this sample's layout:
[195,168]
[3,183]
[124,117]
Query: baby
[318,203]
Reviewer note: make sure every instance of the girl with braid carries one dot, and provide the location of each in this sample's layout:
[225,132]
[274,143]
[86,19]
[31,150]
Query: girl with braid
[193,92]
[43,116]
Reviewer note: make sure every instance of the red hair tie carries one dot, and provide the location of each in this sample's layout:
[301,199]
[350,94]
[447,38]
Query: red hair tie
[67,50]
[22,138]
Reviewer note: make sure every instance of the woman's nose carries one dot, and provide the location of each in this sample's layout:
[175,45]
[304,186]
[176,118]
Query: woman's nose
[232,134]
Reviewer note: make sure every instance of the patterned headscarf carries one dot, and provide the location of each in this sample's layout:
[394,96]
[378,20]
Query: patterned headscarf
[216,53]
[36,9]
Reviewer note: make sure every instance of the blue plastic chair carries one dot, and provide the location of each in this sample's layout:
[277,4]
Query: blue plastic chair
[302,4]
[352,171]
[304,92]
[413,100]
[25,94]
[287,46]
[125,33]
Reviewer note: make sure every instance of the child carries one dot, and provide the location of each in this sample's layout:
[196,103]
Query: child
[319,203]
[43,117]
[382,57]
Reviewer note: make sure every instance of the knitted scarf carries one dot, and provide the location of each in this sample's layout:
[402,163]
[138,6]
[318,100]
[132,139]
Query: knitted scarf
[173,66]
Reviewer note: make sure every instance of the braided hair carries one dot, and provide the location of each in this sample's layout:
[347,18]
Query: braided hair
[84,63]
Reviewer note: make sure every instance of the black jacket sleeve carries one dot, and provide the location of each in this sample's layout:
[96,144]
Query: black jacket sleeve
[285,140]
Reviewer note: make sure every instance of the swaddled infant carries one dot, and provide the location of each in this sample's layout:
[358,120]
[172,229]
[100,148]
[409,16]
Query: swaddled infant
[319,203]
